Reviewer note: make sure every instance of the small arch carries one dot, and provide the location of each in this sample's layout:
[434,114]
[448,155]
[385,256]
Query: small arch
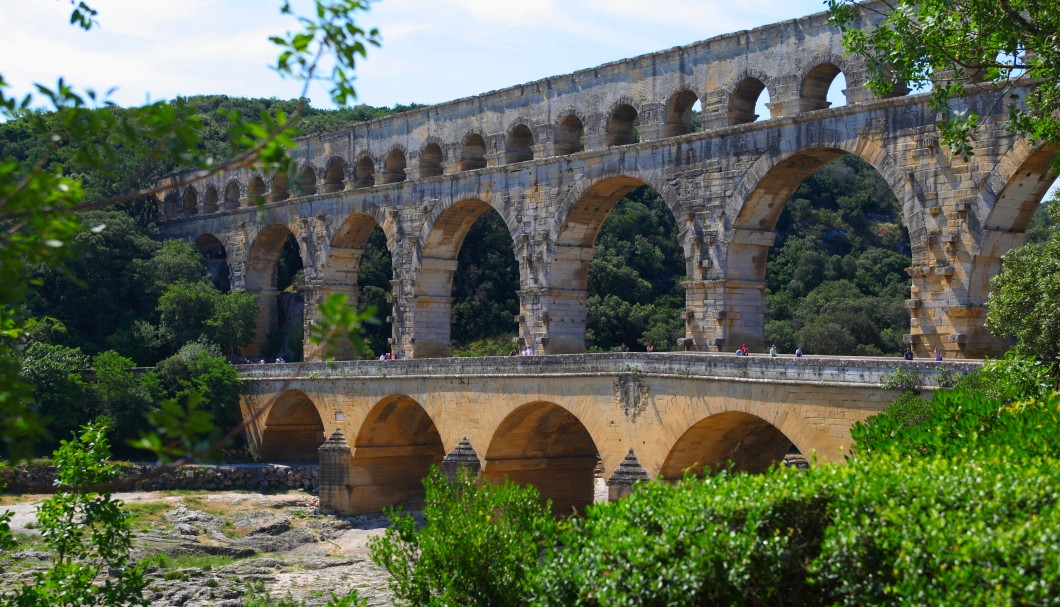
[622,126]
[293,430]
[306,184]
[743,102]
[395,448]
[520,143]
[170,205]
[232,194]
[216,259]
[256,190]
[544,445]
[394,169]
[680,114]
[280,189]
[209,200]
[817,84]
[364,173]
[570,136]
[751,443]
[190,202]
[473,153]
[431,160]
[334,175]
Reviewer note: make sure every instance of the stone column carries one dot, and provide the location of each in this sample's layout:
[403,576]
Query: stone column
[335,462]
[462,457]
[265,323]
[628,474]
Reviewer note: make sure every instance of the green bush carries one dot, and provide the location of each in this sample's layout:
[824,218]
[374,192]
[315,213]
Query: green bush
[479,545]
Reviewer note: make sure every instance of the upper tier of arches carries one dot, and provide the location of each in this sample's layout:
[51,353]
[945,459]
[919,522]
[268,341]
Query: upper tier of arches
[731,78]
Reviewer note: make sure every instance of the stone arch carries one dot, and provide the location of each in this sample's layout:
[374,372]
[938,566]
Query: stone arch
[215,257]
[816,82]
[570,134]
[622,123]
[394,449]
[189,202]
[280,188]
[261,278]
[544,445]
[472,153]
[1015,186]
[751,443]
[438,248]
[579,219]
[431,158]
[334,175]
[744,96]
[293,429]
[306,183]
[364,172]
[519,144]
[209,199]
[232,194]
[678,119]
[171,204]
[256,190]
[394,167]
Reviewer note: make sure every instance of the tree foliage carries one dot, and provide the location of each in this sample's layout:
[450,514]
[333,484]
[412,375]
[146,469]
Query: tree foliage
[950,46]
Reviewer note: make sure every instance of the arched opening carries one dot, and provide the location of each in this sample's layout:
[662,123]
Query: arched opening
[682,114]
[274,272]
[281,189]
[256,190]
[231,195]
[434,289]
[170,205]
[485,288]
[544,445]
[519,145]
[190,202]
[293,430]
[394,450]
[819,261]
[431,160]
[394,169]
[637,267]
[209,200]
[306,184]
[748,102]
[216,259]
[364,173]
[473,153]
[821,88]
[570,136]
[622,126]
[360,266]
[749,442]
[334,175]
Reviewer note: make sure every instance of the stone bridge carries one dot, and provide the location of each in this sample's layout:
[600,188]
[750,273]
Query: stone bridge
[554,157]
[549,420]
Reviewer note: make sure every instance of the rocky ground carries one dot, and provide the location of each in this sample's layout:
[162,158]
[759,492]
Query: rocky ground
[209,548]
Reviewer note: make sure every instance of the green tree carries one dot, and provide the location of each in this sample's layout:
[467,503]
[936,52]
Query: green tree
[949,46]
[233,321]
[121,398]
[198,371]
[61,396]
[1025,297]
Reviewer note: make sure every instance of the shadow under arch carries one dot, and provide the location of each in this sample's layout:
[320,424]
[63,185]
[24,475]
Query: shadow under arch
[751,443]
[544,445]
[394,449]
[215,256]
[262,279]
[293,430]
[433,289]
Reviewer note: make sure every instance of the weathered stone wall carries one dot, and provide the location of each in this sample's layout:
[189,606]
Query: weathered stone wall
[251,477]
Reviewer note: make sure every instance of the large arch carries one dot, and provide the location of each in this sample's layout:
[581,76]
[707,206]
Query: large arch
[342,271]
[293,430]
[216,259]
[433,290]
[394,449]
[568,273]
[261,278]
[749,442]
[544,445]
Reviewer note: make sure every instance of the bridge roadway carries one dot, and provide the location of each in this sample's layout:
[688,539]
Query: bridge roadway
[548,420]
